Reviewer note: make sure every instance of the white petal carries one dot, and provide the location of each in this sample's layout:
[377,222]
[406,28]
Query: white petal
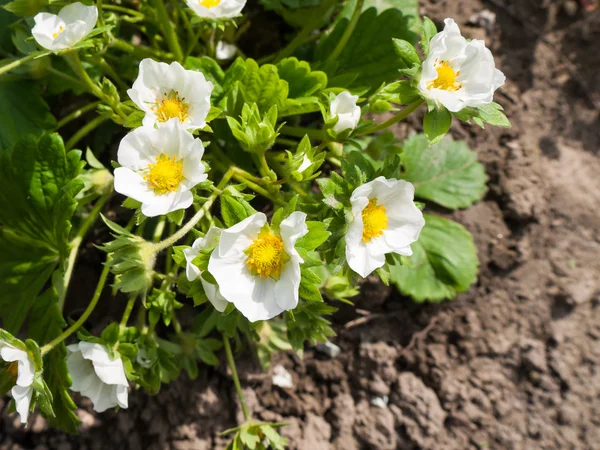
[132,185]
[81,371]
[22,396]
[136,149]
[361,261]
[214,295]
[237,238]
[122,396]
[45,26]
[166,203]
[25,371]
[191,271]
[225,9]
[344,107]
[291,229]
[286,288]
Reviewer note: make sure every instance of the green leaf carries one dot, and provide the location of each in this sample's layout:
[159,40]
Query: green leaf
[407,53]
[491,113]
[401,92]
[232,210]
[46,323]
[428,31]
[36,205]
[436,124]
[309,286]
[317,234]
[368,58]
[444,262]
[262,85]
[446,173]
[23,111]
[304,84]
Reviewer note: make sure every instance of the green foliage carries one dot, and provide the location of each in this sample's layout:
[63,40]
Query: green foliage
[256,134]
[427,32]
[368,58]
[491,114]
[263,86]
[23,111]
[446,173]
[256,436]
[436,124]
[304,85]
[36,205]
[444,262]
[308,323]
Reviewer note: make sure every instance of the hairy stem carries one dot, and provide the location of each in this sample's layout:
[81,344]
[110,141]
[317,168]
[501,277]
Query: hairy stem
[236,380]
[76,114]
[127,312]
[397,118]
[76,243]
[170,35]
[10,66]
[69,331]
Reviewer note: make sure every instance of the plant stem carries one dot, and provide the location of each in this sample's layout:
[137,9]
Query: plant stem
[121,9]
[76,114]
[127,312]
[337,51]
[19,62]
[397,118]
[76,243]
[83,131]
[234,375]
[69,331]
[289,49]
[140,51]
[302,131]
[108,70]
[170,35]
[244,177]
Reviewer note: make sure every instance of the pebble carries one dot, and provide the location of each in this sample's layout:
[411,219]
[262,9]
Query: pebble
[380,401]
[329,349]
[282,378]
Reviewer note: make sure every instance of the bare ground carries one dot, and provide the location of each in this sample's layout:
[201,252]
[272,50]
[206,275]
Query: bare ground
[512,364]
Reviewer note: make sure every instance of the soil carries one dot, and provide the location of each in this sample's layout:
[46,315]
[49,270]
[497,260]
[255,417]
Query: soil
[514,363]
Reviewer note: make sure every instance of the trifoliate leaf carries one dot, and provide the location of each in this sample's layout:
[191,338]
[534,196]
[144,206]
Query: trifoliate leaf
[436,124]
[446,173]
[23,111]
[39,180]
[368,58]
[304,86]
[444,262]
[491,113]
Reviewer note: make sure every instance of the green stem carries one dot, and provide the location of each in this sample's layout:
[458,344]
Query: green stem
[333,160]
[302,131]
[397,118]
[19,62]
[69,78]
[83,131]
[140,51]
[69,331]
[246,178]
[76,243]
[127,312]
[76,114]
[121,9]
[236,380]
[169,32]
[108,70]
[337,51]
[300,38]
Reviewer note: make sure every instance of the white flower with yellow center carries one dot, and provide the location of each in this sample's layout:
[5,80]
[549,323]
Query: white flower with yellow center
[385,220]
[344,107]
[257,269]
[192,271]
[216,9]
[159,167]
[459,73]
[71,25]
[97,376]
[168,91]
[20,366]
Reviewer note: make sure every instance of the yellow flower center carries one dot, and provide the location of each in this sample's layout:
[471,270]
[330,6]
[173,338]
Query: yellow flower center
[12,368]
[165,175]
[446,78]
[171,106]
[209,3]
[60,30]
[266,256]
[375,220]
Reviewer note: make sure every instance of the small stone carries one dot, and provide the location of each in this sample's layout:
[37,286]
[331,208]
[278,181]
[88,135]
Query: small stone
[380,401]
[282,378]
[484,19]
[329,349]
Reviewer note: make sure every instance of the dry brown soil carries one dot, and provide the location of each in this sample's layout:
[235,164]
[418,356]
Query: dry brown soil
[512,364]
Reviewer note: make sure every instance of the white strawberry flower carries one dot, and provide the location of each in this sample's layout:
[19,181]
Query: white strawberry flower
[459,73]
[168,91]
[19,364]
[62,31]
[192,271]
[344,107]
[385,220]
[258,270]
[159,167]
[97,376]
[216,9]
